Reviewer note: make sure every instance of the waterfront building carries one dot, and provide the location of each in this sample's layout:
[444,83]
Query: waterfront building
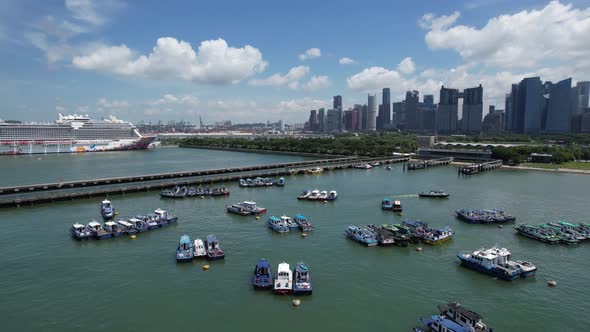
[472,110]
[322,119]
[448,105]
[494,120]
[372,113]
[411,109]
[559,110]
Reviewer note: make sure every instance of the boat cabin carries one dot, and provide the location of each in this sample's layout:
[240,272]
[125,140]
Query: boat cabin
[94,225]
[463,316]
[125,224]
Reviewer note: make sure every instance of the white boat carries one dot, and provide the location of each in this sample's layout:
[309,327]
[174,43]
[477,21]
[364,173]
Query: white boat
[286,220]
[323,195]
[314,194]
[127,227]
[332,195]
[376,164]
[315,170]
[199,248]
[284,281]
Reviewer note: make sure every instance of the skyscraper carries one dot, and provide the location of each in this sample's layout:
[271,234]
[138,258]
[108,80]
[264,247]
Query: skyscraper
[364,117]
[338,102]
[313,120]
[385,112]
[472,110]
[334,121]
[348,120]
[412,117]
[529,105]
[372,113]
[581,97]
[398,111]
[322,119]
[358,114]
[429,100]
[448,108]
[559,110]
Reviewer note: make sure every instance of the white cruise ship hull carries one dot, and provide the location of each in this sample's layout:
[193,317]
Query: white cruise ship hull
[10,147]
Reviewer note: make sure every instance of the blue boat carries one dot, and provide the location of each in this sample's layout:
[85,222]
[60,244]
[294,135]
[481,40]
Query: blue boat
[185,251]
[262,278]
[163,217]
[113,228]
[80,232]
[386,204]
[303,223]
[278,225]
[281,182]
[361,235]
[149,221]
[237,209]
[301,280]
[139,224]
[438,323]
[127,227]
[192,192]
[214,251]
[106,209]
[497,262]
[417,228]
[98,232]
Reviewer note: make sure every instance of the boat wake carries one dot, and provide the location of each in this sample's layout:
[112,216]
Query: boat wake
[405,195]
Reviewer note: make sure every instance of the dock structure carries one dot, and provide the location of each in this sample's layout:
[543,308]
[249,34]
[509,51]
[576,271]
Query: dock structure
[479,167]
[17,196]
[423,164]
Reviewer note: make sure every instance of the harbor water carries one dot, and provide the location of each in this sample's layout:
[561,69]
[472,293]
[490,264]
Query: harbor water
[50,282]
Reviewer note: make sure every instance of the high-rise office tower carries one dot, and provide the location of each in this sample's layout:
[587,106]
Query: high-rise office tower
[412,116]
[385,111]
[322,119]
[472,110]
[448,108]
[357,113]
[313,120]
[529,106]
[372,113]
[364,117]
[337,102]
[559,110]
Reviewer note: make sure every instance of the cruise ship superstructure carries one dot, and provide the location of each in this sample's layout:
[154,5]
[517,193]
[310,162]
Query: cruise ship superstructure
[71,133]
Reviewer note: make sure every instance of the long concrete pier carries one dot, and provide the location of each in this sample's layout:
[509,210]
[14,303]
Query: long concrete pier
[17,196]
[423,164]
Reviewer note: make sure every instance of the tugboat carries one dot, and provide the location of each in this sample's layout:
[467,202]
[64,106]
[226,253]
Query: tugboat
[301,280]
[289,222]
[314,195]
[199,248]
[98,232]
[281,182]
[323,195]
[361,235]
[106,209]
[386,204]
[438,323]
[185,252]
[80,232]
[438,235]
[127,227]
[262,278]
[434,194]
[304,195]
[384,237]
[538,233]
[496,261]
[463,317]
[113,228]
[303,223]
[149,221]
[283,283]
[332,195]
[397,206]
[214,251]
[278,225]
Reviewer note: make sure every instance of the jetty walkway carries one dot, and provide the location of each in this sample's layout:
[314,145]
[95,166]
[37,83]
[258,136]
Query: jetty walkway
[15,196]
[480,167]
[423,164]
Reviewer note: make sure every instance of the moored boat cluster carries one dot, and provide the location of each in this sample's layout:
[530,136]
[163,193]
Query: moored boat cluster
[486,216]
[182,192]
[555,232]
[261,182]
[188,250]
[318,195]
[285,224]
[399,234]
[297,281]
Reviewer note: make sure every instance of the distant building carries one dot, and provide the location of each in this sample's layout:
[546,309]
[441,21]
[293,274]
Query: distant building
[472,110]
[313,120]
[448,109]
[348,120]
[385,111]
[364,117]
[581,122]
[494,120]
[357,118]
[372,113]
[559,110]
[322,119]
[425,141]
[541,157]
[337,102]
[398,114]
[581,97]
[429,100]
[411,109]
[334,121]
[529,107]
[281,125]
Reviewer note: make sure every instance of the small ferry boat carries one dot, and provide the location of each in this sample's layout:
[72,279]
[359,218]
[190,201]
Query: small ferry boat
[278,225]
[388,168]
[304,195]
[237,209]
[363,166]
[283,283]
[262,278]
[497,262]
[386,204]
[106,209]
[438,235]
[434,194]
[384,237]
[397,206]
[259,182]
[301,280]
[185,251]
[251,183]
[361,235]
[251,207]
[303,223]
[332,195]
[149,221]
[323,195]
[314,195]
[464,317]
[127,227]
[139,224]
[438,323]
[375,164]
[289,222]
[243,183]
[98,232]
[214,251]
[538,233]
[281,182]
[199,248]
[80,232]
[315,170]
[114,228]
[163,216]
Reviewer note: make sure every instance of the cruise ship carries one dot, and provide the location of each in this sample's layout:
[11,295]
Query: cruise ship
[71,134]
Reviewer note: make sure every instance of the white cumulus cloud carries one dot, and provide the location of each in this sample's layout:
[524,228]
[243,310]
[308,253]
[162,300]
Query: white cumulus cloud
[215,62]
[346,61]
[406,66]
[317,82]
[104,103]
[373,78]
[170,99]
[291,78]
[310,54]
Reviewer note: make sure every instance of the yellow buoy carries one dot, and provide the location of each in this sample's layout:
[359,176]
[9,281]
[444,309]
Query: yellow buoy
[418,248]
[296,302]
[401,213]
[133,237]
[257,218]
[552,283]
[205,267]
[325,202]
[202,197]
[116,213]
[303,234]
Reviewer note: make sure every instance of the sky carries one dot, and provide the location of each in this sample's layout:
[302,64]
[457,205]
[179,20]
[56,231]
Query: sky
[253,61]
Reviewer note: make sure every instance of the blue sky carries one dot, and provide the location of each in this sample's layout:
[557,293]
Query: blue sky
[269,60]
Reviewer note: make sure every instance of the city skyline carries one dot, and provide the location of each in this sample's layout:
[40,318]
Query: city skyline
[101,58]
